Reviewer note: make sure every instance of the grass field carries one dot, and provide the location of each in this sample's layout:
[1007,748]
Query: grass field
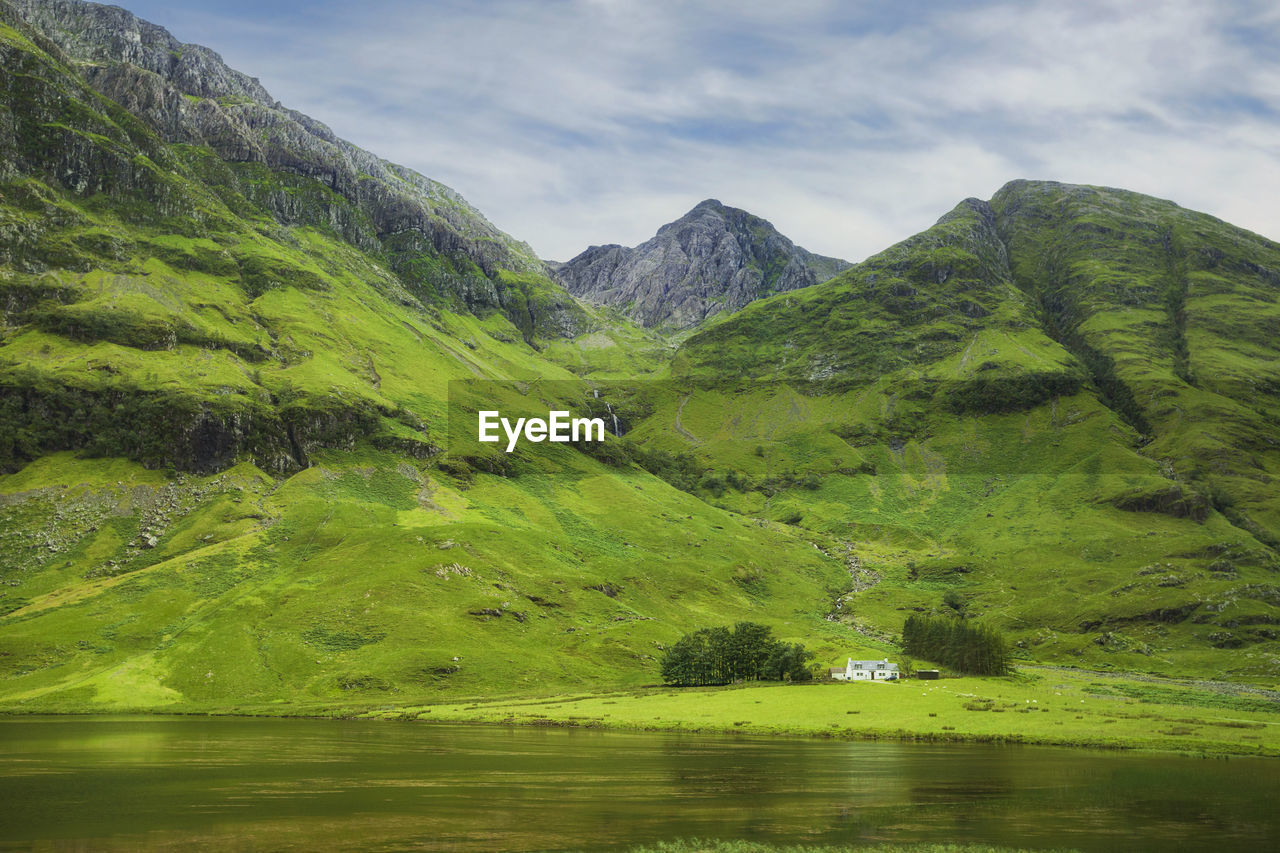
[1039,705]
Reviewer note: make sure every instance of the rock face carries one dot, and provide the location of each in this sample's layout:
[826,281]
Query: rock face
[712,259]
[186,94]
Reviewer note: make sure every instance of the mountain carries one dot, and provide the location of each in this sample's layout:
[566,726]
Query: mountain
[223,129]
[1169,317]
[712,260]
[1059,406]
[228,377]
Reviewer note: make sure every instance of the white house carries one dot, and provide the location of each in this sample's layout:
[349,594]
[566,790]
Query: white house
[865,670]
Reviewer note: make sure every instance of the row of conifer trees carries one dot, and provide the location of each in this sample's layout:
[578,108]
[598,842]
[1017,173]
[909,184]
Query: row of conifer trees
[956,644]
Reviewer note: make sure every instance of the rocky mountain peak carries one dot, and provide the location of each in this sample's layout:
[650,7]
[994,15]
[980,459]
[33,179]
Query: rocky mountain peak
[94,33]
[715,258]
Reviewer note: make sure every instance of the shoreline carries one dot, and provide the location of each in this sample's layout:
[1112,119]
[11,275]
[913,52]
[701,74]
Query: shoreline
[1191,750]
[1198,749]
[1044,707]
[850,736]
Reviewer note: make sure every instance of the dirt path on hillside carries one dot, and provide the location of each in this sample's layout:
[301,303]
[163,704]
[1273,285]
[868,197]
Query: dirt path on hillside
[680,426]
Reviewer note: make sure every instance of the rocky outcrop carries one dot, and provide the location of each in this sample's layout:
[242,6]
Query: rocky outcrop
[172,429]
[713,259]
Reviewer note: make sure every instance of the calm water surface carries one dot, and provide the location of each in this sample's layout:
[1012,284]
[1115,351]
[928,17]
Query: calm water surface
[197,783]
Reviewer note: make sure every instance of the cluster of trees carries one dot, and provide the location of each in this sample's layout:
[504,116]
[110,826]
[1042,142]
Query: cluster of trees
[685,472]
[718,485]
[681,470]
[747,652]
[962,646]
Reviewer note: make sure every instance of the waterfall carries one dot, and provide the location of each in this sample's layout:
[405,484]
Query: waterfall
[609,409]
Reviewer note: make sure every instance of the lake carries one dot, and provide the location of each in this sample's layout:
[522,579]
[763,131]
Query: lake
[217,783]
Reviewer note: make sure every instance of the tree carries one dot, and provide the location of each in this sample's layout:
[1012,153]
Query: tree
[746,652]
[678,662]
[719,656]
[787,663]
[750,647]
[964,647]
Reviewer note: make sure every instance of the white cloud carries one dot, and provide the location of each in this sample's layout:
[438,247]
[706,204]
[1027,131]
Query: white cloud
[849,126]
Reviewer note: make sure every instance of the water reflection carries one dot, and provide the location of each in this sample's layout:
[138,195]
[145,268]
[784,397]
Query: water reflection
[303,784]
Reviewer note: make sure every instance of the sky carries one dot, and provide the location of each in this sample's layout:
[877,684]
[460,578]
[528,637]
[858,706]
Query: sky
[849,125]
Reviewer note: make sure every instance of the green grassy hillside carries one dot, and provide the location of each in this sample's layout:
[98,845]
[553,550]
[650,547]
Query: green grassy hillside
[369,578]
[1055,406]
